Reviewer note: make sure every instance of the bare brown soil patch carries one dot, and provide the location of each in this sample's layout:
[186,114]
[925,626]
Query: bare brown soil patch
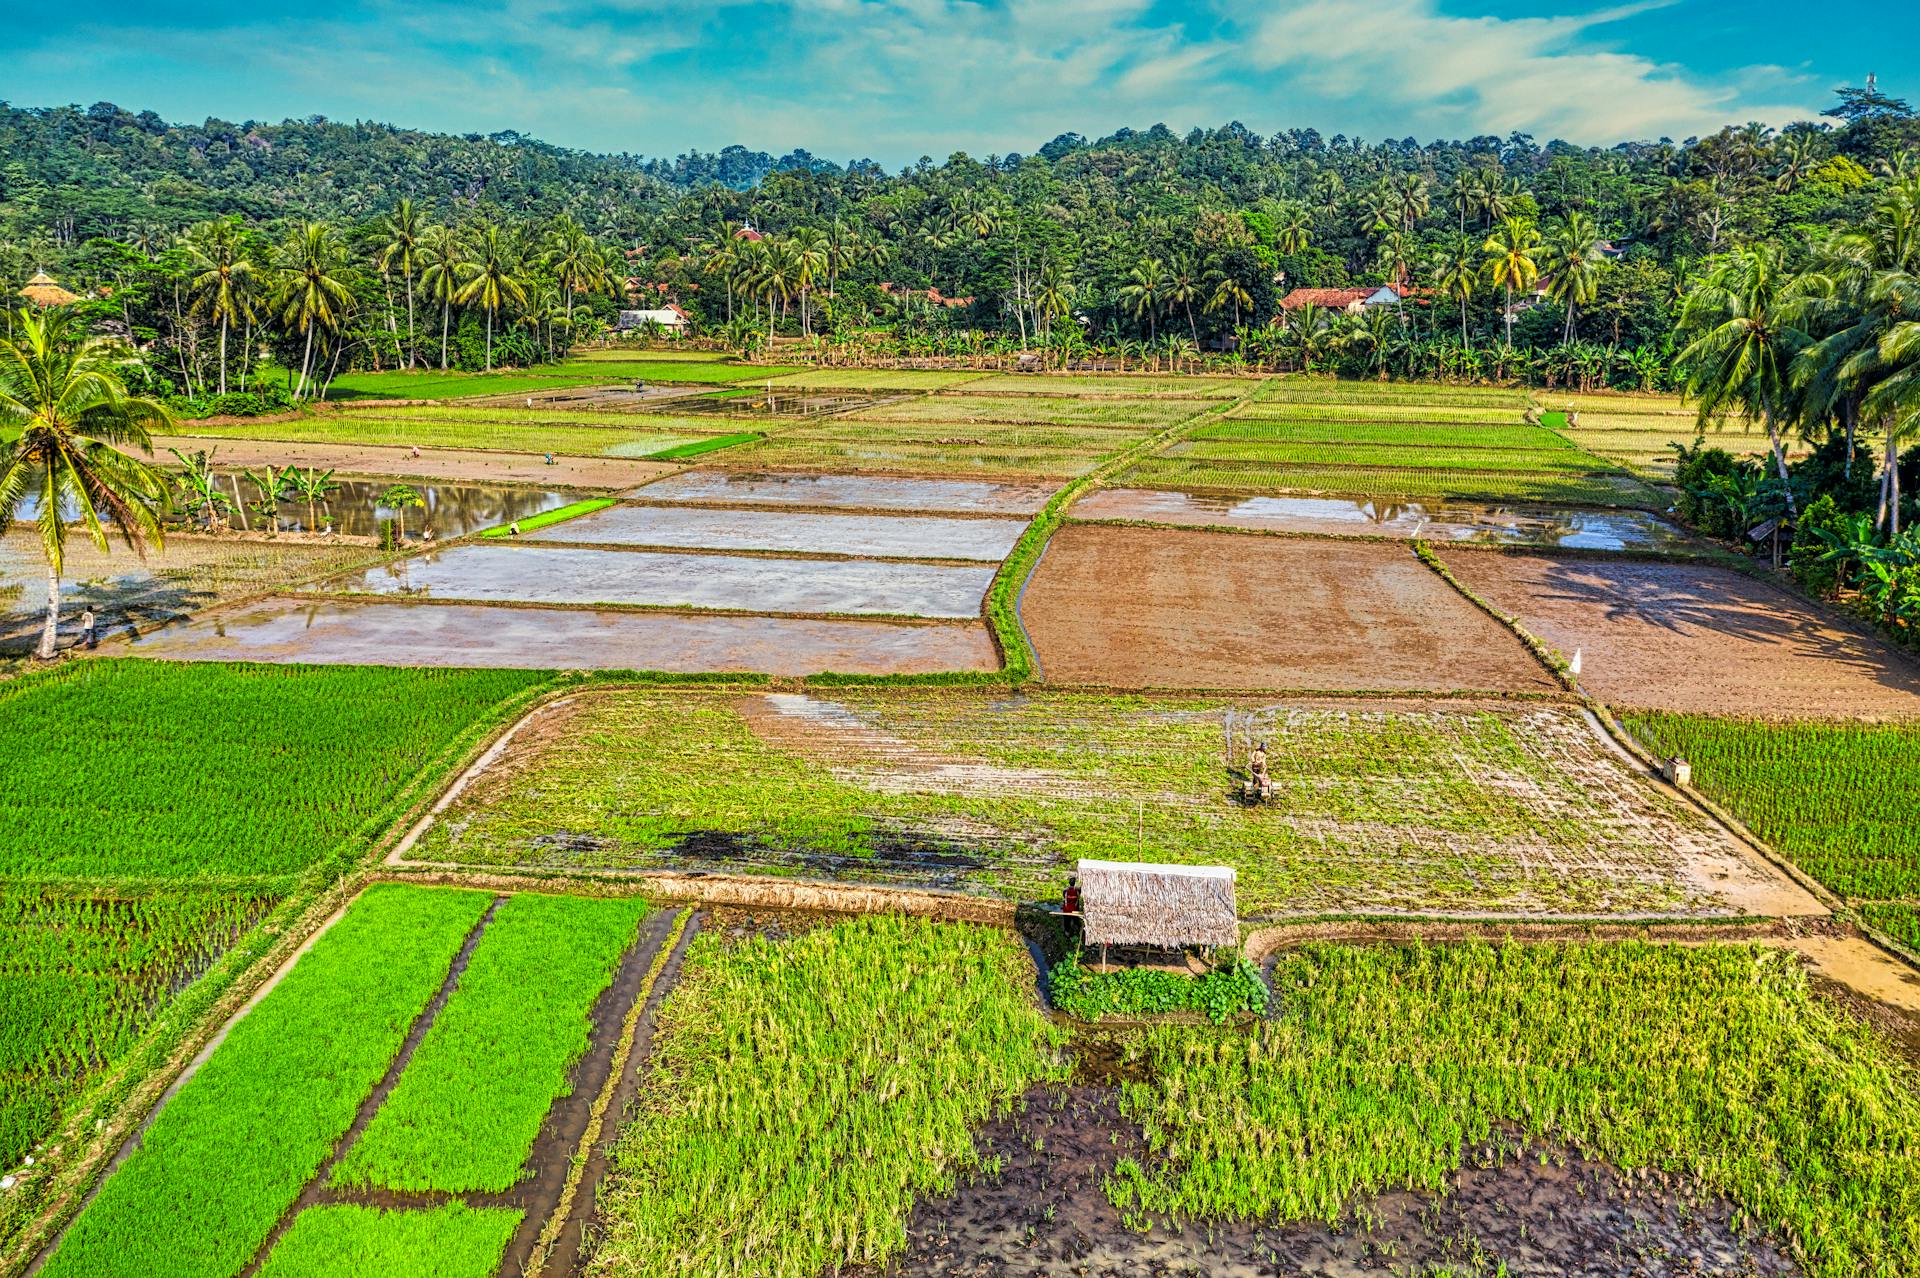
[1539,1211]
[476,465]
[1139,607]
[1694,639]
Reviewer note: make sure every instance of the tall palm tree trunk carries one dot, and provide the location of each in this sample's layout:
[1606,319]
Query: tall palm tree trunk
[224,322]
[413,345]
[446,314]
[1780,459]
[489,339]
[51,630]
[306,363]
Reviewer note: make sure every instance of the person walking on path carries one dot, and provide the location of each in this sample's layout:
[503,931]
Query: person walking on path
[89,636]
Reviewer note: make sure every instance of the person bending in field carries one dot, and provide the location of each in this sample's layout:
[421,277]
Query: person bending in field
[1257,767]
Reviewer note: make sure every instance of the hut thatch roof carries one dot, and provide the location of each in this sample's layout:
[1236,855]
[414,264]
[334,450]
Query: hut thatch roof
[41,290]
[1165,906]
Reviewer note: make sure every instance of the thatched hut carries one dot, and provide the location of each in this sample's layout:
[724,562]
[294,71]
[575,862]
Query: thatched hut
[43,292]
[1164,907]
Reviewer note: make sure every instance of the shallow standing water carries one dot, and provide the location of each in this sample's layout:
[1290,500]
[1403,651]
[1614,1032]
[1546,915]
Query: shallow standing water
[899,536]
[355,508]
[371,632]
[522,573]
[1569,528]
[856,492]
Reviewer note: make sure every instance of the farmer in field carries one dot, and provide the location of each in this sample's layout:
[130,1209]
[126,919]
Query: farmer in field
[1257,768]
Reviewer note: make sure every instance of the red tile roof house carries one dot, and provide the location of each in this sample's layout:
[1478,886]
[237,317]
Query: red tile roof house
[1330,299]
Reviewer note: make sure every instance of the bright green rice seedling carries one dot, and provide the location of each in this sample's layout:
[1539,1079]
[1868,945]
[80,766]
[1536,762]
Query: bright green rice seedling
[345,1241]
[145,770]
[465,1113]
[1841,799]
[1712,1062]
[700,447]
[1519,461]
[82,975]
[1145,414]
[232,1150]
[548,518]
[803,1093]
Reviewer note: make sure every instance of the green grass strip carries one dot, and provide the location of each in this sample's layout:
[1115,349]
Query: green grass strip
[465,1114]
[547,518]
[345,1241]
[230,1153]
[699,446]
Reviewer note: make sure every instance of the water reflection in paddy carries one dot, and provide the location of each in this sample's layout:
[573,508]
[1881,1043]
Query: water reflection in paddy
[1569,528]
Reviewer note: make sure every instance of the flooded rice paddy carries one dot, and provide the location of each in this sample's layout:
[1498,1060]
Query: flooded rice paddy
[583,576]
[1567,528]
[896,536]
[350,632]
[356,508]
[855,492]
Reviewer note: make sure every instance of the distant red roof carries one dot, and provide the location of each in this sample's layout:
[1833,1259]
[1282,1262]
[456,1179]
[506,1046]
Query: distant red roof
[1335,298]
[748,234]
[932,295]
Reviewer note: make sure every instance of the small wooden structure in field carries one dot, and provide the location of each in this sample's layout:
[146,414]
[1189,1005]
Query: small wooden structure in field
[1163,907]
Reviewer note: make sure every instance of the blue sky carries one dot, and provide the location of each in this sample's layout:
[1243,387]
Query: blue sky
[897,79]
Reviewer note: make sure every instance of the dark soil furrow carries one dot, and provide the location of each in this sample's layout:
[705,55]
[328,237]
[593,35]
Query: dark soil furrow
[568,1246]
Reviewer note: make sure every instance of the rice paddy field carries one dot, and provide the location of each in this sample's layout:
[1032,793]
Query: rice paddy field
[1384,810]
[1640,431]
[640,994]
[1841,799]
[1315,436]
[157,813]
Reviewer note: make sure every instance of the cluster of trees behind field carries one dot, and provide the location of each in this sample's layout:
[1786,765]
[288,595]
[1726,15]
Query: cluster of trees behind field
[1548,263]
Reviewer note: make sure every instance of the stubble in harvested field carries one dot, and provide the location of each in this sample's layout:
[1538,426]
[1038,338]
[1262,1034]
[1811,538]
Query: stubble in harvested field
[1381,809]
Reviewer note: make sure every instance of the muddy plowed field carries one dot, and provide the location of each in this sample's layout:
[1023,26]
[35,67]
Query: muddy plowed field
[1696,639]
[1135,607]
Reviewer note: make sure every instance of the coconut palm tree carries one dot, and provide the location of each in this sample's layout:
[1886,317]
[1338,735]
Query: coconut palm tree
[575,261]
[1408,199]
[1293,228]
[492,279]
[1183,285]
[812,260]
[399,234]
[1572,263]
[1466,191]
[223,284]
[62,391]
[310,293]
[443,264]
[1510,252]
[1144,293]
[1228,291]
[1742,338]
[1457,269]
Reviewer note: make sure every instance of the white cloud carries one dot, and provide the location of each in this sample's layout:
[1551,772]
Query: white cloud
[1446,75]
[895,79]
